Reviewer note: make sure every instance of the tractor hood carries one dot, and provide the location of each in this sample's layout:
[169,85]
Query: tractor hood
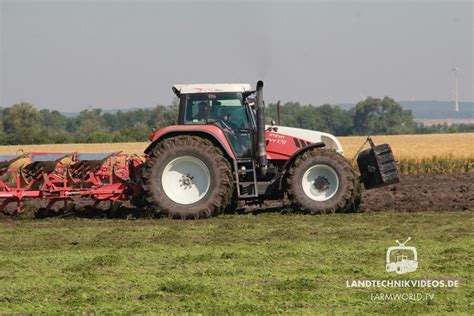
[329,140]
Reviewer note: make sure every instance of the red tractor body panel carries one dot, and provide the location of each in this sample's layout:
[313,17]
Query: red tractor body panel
[212,130]
[281,146]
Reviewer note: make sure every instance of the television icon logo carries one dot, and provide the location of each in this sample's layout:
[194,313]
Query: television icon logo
[402,264]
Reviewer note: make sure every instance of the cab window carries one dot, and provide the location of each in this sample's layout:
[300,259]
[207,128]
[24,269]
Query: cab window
[202,108]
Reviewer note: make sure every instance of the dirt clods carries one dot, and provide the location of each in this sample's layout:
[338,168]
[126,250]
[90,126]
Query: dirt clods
[423,192]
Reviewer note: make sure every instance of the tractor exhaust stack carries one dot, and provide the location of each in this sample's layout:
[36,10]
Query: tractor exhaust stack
[261,141]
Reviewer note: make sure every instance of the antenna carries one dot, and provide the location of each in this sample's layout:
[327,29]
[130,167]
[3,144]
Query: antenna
[278,113]
[456,93]
[403,244]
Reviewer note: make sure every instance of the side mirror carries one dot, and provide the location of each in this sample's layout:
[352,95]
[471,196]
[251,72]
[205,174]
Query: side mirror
[251,102]
[273,123]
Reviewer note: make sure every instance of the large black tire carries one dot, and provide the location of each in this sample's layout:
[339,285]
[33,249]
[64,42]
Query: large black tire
[353,204]
[221,185]
[346,195]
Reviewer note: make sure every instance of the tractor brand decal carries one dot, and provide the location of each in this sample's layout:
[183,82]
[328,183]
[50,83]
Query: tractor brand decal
[276,135]
[402,264]
[207,89]
[277,138]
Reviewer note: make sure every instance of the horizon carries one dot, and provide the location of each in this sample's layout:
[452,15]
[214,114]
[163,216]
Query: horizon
[129,108]
[466,107]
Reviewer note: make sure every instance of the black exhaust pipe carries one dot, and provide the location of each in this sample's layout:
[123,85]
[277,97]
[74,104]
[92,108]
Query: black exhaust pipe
[261,141]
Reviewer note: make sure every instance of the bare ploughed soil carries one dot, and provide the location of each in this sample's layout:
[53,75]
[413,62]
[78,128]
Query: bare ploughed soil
[414,193]
[423,192]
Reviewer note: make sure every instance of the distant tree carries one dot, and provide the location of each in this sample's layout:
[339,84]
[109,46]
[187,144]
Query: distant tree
[53,127]
[334,120]
[111,121]
[162,116]
[139,132]
[61,137]
[386,116]
[22,124]
[130,118]
[99,137]
[326,118]
[53,120]
[1,120]
[88,122]
[3,135]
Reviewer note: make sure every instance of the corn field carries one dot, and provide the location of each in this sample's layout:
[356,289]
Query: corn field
[435,165]
[460,145]
[434,153]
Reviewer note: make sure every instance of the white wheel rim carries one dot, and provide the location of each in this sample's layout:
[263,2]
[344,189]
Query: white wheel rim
[320,183]
[186,180]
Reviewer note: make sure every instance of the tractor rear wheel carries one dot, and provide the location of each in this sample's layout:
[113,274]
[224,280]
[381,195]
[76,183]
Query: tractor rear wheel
[187,177]
[322,181]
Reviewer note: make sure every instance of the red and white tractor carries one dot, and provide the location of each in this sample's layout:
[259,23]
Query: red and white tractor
[219,152]
[222,151]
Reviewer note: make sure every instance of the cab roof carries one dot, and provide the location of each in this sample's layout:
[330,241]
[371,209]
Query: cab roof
[211,87]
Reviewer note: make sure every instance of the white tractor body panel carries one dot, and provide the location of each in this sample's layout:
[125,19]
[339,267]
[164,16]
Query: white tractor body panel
[212,87]
[329,140]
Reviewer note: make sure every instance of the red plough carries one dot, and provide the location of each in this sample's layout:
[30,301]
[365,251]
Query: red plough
[62,177]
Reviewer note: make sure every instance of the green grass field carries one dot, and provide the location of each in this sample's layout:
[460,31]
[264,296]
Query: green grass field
[267,263]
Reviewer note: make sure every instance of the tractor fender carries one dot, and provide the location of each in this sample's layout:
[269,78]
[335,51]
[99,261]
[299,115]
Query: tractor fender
[293,157]
[213,133]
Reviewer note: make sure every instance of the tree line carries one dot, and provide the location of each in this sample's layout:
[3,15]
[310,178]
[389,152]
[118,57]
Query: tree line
[24,124]
[371,116]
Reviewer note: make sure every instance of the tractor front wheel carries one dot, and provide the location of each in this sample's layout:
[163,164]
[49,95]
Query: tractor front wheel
[322,181]
[188,177]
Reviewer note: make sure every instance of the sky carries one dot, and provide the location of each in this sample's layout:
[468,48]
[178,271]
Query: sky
[72,55]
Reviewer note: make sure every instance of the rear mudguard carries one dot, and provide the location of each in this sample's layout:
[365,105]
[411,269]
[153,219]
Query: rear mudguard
[210,132]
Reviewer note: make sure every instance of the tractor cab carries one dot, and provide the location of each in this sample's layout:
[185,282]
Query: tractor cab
[222,105]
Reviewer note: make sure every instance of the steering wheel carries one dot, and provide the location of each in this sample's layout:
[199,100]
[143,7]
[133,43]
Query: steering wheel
[232,125]
[232,129]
